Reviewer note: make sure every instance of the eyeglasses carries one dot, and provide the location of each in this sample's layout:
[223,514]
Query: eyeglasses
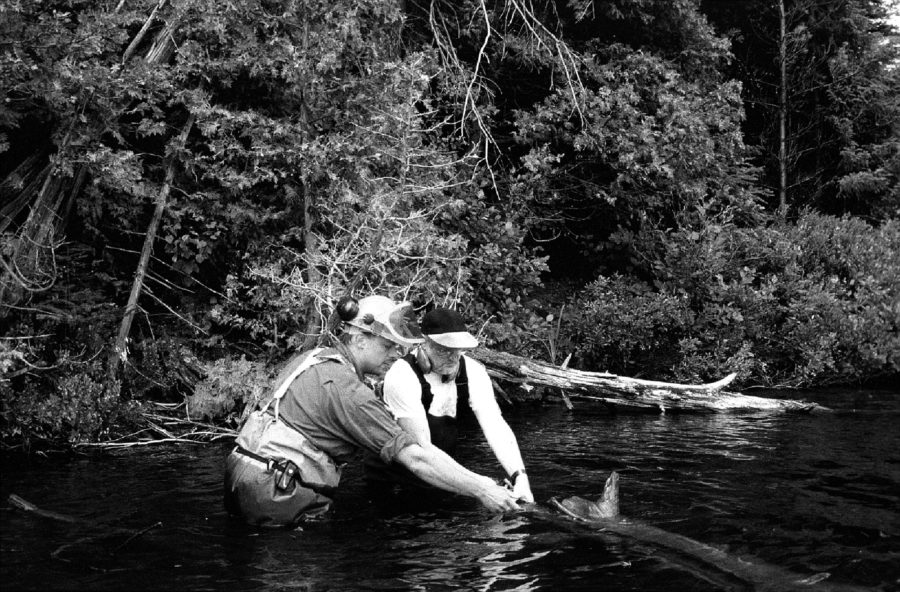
[445,353]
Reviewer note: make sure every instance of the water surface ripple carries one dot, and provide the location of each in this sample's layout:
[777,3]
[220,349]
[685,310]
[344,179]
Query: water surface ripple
[812,494]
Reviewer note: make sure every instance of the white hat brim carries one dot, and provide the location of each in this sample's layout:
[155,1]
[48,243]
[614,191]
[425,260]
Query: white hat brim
[457,340]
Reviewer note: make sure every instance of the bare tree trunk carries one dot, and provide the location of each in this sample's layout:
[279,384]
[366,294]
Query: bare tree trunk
[314,326]
[160,50]
[631,393]
[120,350]
[782,111]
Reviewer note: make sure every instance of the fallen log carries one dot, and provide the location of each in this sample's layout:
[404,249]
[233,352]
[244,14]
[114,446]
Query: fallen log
[632,393]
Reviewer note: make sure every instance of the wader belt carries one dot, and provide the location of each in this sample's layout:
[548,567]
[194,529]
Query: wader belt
[282,465]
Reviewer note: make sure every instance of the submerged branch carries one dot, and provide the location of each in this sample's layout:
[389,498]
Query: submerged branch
[107,530]
[23,504]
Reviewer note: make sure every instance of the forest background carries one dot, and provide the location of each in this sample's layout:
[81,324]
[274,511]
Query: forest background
[668,189]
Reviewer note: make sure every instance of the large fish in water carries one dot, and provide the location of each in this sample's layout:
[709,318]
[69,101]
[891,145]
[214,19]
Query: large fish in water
[604,515]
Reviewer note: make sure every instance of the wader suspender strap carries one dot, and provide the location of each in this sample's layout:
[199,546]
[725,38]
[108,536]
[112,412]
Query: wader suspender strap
[443,428]
[462,384]
[311,360]
[461,380]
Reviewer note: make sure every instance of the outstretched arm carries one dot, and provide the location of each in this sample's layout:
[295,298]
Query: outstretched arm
[497,432]
[503,442]
[435,467]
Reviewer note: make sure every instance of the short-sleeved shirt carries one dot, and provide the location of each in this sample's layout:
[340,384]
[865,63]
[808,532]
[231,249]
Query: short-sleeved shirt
[337,412]
[403,393]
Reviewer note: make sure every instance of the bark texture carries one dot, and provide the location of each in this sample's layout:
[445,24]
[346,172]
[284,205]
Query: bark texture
[632,393]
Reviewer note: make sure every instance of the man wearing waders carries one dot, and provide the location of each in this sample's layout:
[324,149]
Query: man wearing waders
[431,388]
[289,454]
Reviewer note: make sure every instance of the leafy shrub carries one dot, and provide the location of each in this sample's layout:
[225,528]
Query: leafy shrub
[794,304]
[230,390]
[623,326]
[80,407]
[844,320]
[10,356]
[154,369]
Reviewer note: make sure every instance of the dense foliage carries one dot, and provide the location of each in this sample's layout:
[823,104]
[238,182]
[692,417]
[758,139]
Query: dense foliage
[595,178]
[811,302]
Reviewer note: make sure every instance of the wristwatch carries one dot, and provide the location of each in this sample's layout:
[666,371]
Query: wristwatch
[514,476]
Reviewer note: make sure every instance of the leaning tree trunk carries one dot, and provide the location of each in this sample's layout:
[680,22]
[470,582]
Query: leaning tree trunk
[160,50]
[120,350]
[631,393]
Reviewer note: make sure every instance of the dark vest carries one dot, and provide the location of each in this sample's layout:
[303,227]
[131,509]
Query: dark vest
[380,478]
[444,429]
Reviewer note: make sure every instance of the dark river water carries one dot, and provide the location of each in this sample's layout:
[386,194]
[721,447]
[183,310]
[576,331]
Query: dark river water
[812,494]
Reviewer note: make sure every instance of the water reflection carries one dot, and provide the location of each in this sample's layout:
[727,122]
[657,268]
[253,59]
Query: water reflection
[809,493]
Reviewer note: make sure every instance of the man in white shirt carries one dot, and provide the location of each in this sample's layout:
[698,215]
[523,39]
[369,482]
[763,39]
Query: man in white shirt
[430,388]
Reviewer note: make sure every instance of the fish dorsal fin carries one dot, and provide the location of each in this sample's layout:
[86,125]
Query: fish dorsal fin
[608,504]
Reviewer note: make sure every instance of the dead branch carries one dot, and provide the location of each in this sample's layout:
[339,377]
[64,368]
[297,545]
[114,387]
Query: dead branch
[19,186]
[163,47]
[141,532]
[632,393]
[22,504]
[129,51]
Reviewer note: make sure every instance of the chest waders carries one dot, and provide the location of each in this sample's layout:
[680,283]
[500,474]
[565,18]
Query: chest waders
[275,476]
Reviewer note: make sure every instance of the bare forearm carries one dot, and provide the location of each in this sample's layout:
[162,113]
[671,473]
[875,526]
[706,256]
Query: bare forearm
[434,466]
[503,442]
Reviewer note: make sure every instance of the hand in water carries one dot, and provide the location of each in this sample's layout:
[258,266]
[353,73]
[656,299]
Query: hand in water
[497,498]
[522,490]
